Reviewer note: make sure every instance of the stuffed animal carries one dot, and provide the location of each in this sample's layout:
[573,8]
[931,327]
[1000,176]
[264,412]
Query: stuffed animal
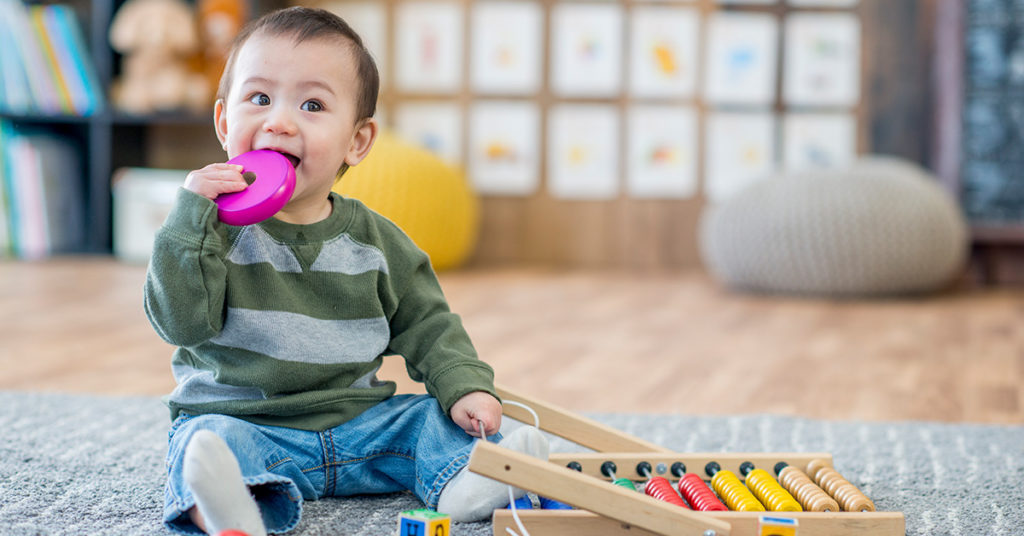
[156,38]
[219,23]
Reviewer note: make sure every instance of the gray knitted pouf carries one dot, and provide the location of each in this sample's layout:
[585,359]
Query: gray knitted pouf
[878,226]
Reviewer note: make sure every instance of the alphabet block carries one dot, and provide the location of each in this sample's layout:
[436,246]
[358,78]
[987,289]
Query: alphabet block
[423,522]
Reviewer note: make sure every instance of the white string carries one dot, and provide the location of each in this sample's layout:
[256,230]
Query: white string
[515,515]
[536,419]
[511,496]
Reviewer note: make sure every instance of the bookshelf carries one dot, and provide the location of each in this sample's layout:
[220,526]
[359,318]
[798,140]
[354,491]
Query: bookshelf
[109,139]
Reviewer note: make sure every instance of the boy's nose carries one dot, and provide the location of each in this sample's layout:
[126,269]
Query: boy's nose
[279,121]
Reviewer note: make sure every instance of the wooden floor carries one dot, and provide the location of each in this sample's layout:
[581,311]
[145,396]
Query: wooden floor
[623,342]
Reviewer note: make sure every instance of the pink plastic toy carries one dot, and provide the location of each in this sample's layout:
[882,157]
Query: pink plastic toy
[271,180]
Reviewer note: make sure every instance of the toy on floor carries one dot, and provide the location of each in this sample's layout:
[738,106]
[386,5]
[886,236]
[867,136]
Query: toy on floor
[423,522]
[695,492]
[768,490]
[551,504]
[776,526]
[806,492]
[271,179]
[587,481]
[522,503]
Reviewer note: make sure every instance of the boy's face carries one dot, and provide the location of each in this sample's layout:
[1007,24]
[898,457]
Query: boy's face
[300,100]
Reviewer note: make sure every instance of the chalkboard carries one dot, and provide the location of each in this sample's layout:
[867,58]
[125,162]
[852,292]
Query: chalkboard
[992,172]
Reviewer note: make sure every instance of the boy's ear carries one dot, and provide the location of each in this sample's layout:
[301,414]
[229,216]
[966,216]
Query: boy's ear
[220,122]
[362,141]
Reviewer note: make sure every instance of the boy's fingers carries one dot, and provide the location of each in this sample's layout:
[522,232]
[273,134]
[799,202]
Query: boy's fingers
[227,173]
[224,165]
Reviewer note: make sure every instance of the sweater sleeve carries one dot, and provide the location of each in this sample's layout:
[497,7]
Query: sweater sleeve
[436,347]
[185,282]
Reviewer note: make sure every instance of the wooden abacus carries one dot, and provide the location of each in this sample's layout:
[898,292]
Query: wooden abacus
[607,510]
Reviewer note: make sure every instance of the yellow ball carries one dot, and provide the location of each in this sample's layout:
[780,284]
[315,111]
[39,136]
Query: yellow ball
[429,199]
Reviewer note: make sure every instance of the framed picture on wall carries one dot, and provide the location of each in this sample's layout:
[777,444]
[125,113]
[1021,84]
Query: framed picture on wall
[428,47]
[435,126]
[662,152]
[507,44]
[818,139]
[586,49]
[741,59]
[822,65]
[583,151]
[663,52]
[740,149]
[504,148]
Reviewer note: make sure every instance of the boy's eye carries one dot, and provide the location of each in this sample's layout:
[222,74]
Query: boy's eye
[312,106]
[260,99]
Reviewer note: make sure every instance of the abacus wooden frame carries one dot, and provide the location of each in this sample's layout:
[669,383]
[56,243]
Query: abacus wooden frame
[623,512]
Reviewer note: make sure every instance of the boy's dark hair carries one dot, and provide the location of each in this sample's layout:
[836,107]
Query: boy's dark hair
[305,23]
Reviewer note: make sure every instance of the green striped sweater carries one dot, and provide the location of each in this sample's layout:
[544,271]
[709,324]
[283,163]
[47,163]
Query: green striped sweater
[287,325]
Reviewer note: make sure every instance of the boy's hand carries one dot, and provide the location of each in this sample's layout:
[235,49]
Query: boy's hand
[216,179]
[475,408]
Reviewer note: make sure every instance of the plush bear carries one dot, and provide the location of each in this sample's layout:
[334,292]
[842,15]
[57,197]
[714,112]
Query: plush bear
[156,38]
[219,23]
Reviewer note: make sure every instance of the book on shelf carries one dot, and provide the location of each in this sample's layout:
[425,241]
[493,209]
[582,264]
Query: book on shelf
[6,245]
[45,67]
[72,55]
[42,186]
[13,78]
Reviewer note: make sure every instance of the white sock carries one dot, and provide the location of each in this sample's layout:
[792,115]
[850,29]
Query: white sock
[211,472]
[472,497]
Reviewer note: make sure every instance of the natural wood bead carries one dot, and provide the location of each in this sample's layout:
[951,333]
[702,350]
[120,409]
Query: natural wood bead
[846,494]
[815,465]
[812,497]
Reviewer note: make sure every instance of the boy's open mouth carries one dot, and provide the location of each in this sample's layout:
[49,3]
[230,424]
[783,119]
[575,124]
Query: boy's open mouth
[291,158]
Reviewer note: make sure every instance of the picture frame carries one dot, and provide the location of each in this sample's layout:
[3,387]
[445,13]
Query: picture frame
[822,66]
[740,149]
[820,140]
[583,151]
[741,59]
[429,47]
[586,50]
[433,125]
[664,52]
[507,47]
[663,152]
[504,147]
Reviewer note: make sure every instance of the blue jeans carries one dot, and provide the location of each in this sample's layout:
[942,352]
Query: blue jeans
[404,443]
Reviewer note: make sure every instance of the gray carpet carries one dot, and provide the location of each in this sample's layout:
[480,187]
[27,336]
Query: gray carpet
[74,465]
